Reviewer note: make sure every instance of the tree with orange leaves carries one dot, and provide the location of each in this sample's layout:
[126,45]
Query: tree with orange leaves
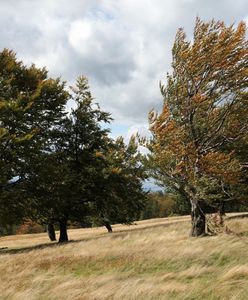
[204,113]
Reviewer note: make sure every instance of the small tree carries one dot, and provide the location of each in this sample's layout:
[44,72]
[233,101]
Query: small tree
[204,113]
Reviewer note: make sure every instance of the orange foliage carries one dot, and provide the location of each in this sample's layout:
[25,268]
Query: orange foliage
[205,107]
[29,226]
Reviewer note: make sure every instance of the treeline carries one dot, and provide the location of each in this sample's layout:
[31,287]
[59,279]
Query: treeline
[155,205]
[58,164]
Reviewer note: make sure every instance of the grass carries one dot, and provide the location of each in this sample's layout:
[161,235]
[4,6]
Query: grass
[154,259]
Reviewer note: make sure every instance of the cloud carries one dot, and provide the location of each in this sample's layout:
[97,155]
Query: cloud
[104,48]
[123,46]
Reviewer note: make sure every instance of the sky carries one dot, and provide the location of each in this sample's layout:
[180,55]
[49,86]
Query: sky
[122,46]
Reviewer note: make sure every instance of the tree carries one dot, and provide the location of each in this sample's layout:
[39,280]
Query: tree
[51,232]
[160,205]
[53,162]
[204,114]
[61,180]
[118,184]
[31,105]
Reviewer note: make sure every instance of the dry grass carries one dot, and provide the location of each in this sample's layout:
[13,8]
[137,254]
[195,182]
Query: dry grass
[154,259]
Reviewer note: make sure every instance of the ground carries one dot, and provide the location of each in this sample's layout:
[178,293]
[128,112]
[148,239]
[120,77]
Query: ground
[153,259]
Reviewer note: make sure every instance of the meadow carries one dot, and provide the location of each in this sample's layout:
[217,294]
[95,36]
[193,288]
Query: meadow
[152,259]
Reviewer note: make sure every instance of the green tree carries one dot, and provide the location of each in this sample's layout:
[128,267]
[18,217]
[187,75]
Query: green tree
[31,104]
[119,196]
[61,180]
[204,113]
[160,205]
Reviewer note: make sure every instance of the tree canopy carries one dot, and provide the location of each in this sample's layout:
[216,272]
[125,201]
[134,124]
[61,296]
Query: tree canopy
[59,164]
[29,103]
[204,113]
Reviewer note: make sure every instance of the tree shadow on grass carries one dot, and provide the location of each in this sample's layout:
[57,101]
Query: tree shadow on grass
[115,234]
[240,216]
[6,250]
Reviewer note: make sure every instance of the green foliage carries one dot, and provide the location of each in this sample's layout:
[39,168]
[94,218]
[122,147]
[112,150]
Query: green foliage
[61,180]
[30,103]
[160,205]
[83,173]
[118,194]
[59,166]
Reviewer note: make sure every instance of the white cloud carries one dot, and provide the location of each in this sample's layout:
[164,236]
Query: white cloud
[142,130]
[80,36]
[123,46]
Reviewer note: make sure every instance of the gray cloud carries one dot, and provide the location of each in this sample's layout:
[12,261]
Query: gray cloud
[101,49]
[123,46]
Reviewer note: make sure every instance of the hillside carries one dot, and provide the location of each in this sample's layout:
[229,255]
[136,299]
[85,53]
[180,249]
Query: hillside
[154,259]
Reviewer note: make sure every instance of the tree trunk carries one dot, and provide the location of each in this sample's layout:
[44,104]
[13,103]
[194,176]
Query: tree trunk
[198,220]
[221,213]
[51,232]
[106,223]
[108,226]
[222,209]
[63,237]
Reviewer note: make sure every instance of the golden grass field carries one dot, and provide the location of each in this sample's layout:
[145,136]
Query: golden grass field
[154,259]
